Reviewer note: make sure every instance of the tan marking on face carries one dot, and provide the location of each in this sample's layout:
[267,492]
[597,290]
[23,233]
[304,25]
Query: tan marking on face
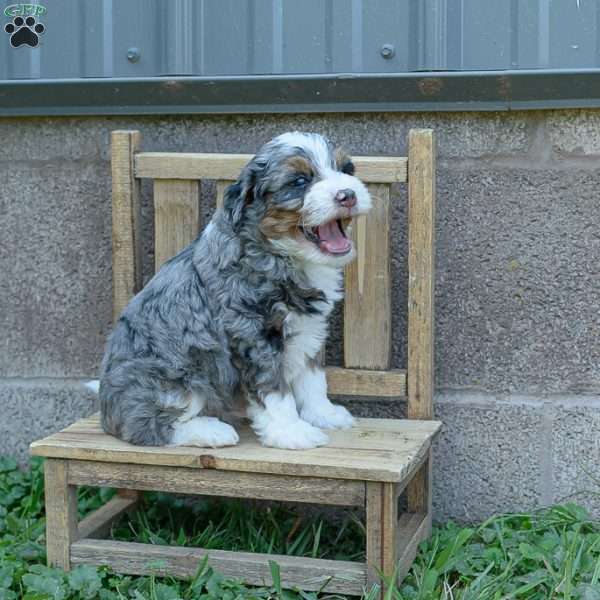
[300,164]
[278,223]
[341,158]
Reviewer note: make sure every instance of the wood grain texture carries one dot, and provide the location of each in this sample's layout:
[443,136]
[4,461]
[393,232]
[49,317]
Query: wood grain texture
[176,217]
[381,526]
[418,490]
[126,254]
[373,450]
[413,528]
[343,577]
[180,480]
[170,165]
[367,305]
[98,524]
[421,275]
[61,513]
[222,185]
[362,382]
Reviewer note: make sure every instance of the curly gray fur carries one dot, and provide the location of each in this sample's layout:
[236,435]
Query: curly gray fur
[210,321]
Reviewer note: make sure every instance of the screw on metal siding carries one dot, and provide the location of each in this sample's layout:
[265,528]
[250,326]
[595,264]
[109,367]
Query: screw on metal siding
[133,54]
[387,51]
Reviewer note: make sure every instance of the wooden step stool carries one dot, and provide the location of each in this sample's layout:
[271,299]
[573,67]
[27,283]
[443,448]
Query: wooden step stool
[369,465]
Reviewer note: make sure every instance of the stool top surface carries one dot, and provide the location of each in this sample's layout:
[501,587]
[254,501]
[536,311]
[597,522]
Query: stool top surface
[373,450]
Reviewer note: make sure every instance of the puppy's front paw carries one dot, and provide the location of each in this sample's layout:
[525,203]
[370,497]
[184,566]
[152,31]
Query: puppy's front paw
[330,417]
[294,436]
[222,434]
[205,432]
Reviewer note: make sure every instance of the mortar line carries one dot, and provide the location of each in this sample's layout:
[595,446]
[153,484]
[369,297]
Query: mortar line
[546,455]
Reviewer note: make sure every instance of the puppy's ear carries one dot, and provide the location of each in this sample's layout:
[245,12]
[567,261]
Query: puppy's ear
[243,193]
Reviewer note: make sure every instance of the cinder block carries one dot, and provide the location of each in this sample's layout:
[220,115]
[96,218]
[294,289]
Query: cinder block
[488,456]
[576,451]
[517,269]
[574,132]
[55,296]
[33,409]
[52,138]
[459,135]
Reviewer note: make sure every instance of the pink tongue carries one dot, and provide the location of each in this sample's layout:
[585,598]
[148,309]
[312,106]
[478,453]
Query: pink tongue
[332,239]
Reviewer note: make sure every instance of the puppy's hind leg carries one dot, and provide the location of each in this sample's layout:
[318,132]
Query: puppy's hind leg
[191,429]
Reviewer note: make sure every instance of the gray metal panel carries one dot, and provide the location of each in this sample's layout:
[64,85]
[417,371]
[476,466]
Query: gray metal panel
[216,38]
[134,24]
[304,36]
[574,34]
[228,37]
[486,34]
[62,46]
[527,35]
[386,22]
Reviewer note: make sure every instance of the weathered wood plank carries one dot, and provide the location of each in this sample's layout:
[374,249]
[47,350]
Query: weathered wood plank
[363,382]
[173,561]
[176,217]
[381,525]
[126,255]
[413,528]
[418,491]
[169,165]
[61,513]
[99,523]
[374,450]
[209,482]
[421,276]
[222,185]
[367,305]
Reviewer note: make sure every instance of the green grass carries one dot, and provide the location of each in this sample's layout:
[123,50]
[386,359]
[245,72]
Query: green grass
[554,553]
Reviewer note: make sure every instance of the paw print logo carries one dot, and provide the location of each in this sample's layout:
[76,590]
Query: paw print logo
[24,31]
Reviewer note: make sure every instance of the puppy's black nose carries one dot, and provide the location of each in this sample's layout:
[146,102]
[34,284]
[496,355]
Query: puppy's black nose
[346,198]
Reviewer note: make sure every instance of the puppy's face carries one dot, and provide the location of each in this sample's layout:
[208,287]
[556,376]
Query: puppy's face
[308,196]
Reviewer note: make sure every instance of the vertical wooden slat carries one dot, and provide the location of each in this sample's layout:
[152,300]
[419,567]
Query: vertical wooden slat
[382,528]
[61,513]
[421,260]
[222,185]
[126,257]
[367,305]
[421,265]
[418,491]
[176,216]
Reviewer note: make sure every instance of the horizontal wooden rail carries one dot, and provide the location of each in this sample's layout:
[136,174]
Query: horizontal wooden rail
[342,577]
[98,523]
[177,165]
[364,382]
[413,528]
[181,480]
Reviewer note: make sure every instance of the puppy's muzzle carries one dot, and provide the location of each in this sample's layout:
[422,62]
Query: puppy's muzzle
[346,198]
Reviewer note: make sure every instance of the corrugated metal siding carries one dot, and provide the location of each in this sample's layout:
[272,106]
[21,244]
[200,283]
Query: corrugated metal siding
[91,38]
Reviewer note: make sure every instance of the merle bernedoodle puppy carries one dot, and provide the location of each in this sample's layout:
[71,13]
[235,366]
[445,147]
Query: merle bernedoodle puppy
[241,313]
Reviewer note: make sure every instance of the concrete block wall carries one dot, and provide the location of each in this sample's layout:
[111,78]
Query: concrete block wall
[518,286]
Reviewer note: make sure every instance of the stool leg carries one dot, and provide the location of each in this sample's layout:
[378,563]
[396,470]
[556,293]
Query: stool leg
[419,489]
[382,524]
[61,513]
[414,526]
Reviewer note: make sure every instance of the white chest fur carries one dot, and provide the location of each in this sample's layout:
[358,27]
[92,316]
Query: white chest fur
[305,335]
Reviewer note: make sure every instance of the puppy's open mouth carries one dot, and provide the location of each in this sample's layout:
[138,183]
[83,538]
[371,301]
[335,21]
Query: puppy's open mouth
[329,237]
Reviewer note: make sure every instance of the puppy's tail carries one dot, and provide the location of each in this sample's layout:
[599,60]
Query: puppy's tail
[93,385]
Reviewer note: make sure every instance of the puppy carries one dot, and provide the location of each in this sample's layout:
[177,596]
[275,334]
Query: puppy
[241,313]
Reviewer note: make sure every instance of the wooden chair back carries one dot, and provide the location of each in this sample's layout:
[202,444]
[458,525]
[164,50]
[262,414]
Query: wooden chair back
[368,286]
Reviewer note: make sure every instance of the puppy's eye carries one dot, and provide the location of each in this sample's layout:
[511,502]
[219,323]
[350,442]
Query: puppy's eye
[300,181]
[348,168]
